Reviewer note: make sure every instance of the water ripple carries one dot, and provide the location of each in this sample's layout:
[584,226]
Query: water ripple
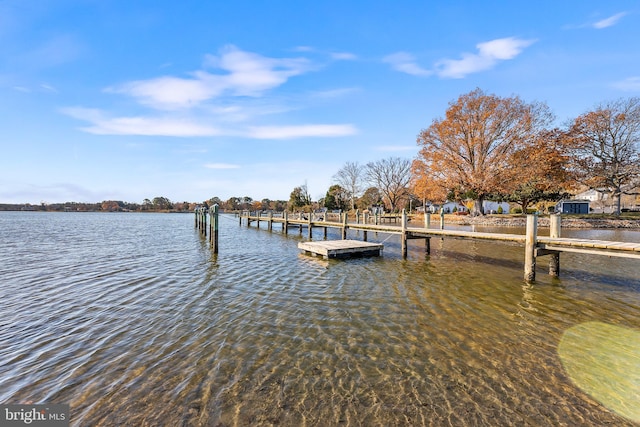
[132,321]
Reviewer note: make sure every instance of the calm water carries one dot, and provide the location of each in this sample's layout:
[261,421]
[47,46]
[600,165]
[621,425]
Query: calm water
[131,320]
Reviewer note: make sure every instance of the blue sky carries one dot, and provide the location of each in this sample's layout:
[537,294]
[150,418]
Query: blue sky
[126,100]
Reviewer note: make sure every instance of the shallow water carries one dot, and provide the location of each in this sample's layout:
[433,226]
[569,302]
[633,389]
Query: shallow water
[131,320]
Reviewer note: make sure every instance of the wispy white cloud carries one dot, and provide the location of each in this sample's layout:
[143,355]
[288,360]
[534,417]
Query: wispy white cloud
[343,56]
[225,98]
[244,74]
[22,89]
[631,84]
[608,22]
[102,124]
[47,87]
[300,131]
[489,54]
[406,63]
[221,166]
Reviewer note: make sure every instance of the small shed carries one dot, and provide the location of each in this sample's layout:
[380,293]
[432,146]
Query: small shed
[573,206]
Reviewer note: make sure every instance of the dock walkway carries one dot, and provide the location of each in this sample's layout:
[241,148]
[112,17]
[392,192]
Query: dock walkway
[534,245]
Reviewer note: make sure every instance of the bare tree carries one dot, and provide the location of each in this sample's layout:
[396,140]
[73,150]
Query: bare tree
[607,148]
[392,177]
[350,178]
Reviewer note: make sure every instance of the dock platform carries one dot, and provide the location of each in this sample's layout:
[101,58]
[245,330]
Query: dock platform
[341,248]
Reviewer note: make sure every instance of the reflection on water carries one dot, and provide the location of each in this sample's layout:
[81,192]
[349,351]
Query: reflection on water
[132,321]
[603,360]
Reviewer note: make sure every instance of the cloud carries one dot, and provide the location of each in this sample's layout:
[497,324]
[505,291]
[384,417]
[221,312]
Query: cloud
[489,53]
[406,63]
[343,56]
[221,166]
[631,84]
[300,131]
[243,74]
[101,124]
[47,87]
[609,22]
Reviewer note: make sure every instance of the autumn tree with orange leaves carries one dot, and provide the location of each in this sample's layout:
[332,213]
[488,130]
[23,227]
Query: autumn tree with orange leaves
[542,170]
[470,151]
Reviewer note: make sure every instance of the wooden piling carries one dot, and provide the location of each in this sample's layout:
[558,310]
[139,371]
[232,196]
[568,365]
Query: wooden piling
[285,224]
[427,220]
[309,227]
[441,218]
[214,225]
[531,240]
[344,226]
[403,236]
[554,232]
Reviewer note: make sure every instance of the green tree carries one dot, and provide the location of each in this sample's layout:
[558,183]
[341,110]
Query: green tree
[336,198]
[299,197]
[371,197]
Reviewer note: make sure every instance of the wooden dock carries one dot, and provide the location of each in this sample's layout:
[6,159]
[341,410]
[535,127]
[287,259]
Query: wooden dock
[535,245]
[341,248]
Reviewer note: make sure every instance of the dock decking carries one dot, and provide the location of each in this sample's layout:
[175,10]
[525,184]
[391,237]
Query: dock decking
[341,248]
[535,245]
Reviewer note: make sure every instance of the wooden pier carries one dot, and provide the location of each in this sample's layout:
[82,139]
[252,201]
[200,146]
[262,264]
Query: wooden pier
[535,245]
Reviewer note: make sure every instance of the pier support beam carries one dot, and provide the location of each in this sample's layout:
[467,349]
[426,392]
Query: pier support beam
[531,241]
[441,218]
[344,226]
[214,225]
[427,220]
[403,236]
[554,232]
[285,224]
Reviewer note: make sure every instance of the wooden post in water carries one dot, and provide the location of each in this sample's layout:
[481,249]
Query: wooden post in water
[309,227]
[285,224]
[270,223]
[531,240]
[441,218]
[554,232]
[357,216]
[213,232]
[344,226]
[403,237]
[427,219]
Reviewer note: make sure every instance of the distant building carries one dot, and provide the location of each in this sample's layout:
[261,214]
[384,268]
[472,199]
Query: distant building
[494,207]
[573,206]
